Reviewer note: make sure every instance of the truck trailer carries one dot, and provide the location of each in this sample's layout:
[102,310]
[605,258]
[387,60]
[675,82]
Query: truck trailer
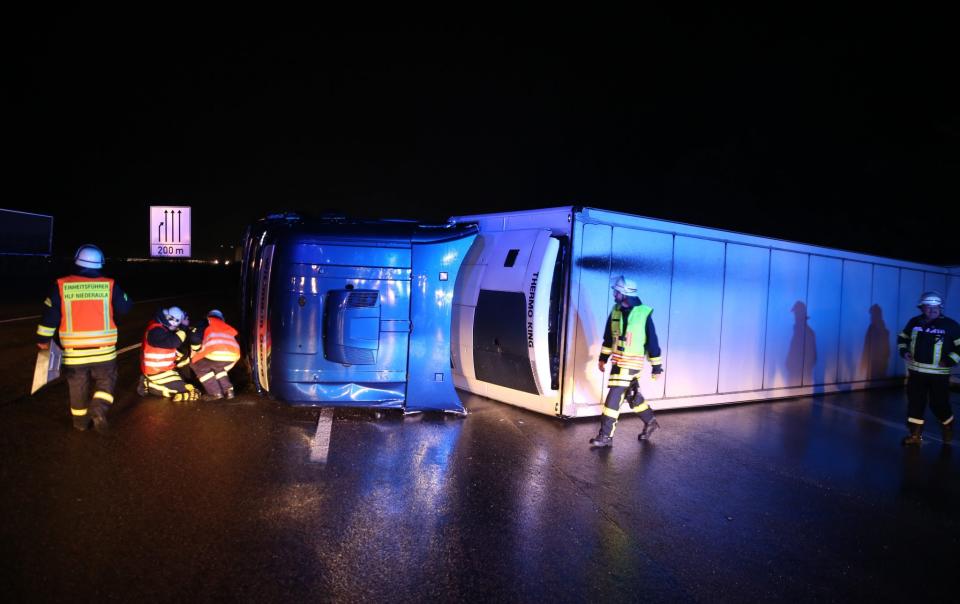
[739,317]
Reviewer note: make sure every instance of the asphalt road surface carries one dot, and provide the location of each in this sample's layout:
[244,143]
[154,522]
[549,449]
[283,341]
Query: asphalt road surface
[251,500]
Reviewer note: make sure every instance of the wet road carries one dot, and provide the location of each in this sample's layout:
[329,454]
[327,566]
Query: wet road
[802,500]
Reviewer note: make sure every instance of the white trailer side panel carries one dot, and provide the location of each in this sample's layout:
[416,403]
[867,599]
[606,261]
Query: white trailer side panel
[696,306]
[788,347]
[746,279]
[880,344]
[648,259]
[911,286]
[854,319]
[823,311]
[583,383]
[953,307]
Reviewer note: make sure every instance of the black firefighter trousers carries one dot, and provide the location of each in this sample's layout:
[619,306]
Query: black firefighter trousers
[91,387]
[920,386]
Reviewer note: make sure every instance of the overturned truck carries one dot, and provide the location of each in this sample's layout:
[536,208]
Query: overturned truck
[519,316]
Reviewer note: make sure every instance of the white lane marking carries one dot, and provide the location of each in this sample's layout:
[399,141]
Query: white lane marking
[135,303]
[166,298]
[21,319]
[129,348]
[320,445]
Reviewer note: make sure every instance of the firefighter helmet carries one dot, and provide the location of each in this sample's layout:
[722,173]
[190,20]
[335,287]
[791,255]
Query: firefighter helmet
[215,313]
[172,317]
[88,256]
[930,299]
[627,287]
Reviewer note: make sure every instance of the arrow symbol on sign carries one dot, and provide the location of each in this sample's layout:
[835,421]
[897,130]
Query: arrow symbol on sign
[179,227]
[166,232]
[159,234]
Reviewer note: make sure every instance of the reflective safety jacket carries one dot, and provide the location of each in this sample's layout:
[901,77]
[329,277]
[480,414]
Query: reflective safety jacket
[934,345]
[159,351]
[80,310]
[630,337]
[219,342]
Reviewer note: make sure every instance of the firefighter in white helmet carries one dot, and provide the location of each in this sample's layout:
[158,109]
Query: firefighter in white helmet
[80,309]
[160,356]
[930,344]
[628,339]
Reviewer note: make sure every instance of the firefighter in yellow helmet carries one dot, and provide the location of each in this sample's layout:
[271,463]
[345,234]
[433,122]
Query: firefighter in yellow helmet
[79,311]
[930,344]
[628,339]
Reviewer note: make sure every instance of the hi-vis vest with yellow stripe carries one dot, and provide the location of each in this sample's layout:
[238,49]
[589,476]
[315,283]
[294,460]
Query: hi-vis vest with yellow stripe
[219,343]
[628,349]
[87,331]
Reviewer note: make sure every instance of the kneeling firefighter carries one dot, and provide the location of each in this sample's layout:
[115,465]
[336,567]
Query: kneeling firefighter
[218,353]
[159,355]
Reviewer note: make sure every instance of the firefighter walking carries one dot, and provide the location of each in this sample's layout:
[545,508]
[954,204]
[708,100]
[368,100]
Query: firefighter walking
[930,344]
[218,353]
[80,310]
[628,339]
[160,357]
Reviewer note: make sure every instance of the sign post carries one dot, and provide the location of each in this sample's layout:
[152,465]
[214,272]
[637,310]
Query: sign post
[170,231]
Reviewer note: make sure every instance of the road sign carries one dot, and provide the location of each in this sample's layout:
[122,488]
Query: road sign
[170,231]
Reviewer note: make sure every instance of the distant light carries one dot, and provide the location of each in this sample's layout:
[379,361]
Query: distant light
[216,262]
[226,262]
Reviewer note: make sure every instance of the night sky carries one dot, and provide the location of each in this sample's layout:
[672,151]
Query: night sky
[838,130]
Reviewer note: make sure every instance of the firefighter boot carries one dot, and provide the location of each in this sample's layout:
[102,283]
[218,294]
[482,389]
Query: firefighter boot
[142,386]
[601,440]
[605,437]
[648,429]
[81,423]
[947,432]
[185,397]
[99,415]
[915,438]
[211,397]
[229,393]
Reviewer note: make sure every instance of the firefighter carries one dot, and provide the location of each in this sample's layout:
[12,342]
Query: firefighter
[628,339]
[159,355]
[186,348]
[80,310]
[930,344]
[216,356]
